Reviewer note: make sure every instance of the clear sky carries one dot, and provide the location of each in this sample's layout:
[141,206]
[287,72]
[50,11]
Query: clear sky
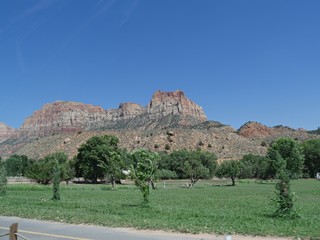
[241,61]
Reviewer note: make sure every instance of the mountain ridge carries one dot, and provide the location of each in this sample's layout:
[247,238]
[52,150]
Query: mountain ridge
[138,126]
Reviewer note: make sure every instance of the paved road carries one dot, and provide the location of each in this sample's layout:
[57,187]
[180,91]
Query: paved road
[45,230]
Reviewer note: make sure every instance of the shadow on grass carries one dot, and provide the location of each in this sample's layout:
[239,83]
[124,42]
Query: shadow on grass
[131,205]
[224,185]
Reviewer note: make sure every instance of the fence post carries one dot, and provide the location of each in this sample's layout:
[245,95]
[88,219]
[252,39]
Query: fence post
[13,231]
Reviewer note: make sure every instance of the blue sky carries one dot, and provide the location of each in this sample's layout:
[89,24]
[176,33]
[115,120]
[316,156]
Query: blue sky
[240,60]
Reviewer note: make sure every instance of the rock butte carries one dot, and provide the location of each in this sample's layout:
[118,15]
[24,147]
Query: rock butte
[137,126]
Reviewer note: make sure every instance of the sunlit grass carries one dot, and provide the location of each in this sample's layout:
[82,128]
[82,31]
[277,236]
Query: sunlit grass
[243,209]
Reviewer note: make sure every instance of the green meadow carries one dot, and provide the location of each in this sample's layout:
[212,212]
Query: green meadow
[209,207]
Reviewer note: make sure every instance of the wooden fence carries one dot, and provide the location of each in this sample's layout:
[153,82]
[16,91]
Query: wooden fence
[13,233]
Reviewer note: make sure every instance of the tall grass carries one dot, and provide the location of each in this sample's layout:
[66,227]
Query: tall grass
[243,209]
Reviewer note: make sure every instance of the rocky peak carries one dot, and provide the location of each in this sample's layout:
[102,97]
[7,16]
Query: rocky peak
[61,116]
[5,131]
[174,103]
[255,129]
[166,109]
[129,110]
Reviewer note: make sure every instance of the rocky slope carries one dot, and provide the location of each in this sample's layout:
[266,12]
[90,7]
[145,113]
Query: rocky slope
[5,131]
[169,122]
[258,131]
[165,109]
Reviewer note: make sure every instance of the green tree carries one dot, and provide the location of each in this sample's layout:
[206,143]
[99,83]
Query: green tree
[229,168]
[254,166]
[94,155]
[194,165]
[113,166]
[286,158]
[143,171]
[56,181]
[292,154]
[311,150]
[16,165]
[3,180]
[42,170]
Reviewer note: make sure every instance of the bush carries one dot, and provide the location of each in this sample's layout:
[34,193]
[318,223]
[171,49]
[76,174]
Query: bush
[3,180]
[56,181]
[166,174]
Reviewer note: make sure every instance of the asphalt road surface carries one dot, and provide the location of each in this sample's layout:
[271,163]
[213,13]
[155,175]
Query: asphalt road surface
[45,230]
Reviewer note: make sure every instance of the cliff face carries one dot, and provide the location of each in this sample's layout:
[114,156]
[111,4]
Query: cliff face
[5,131]
[165,109]
[61,117]
[169,122]
[175,103]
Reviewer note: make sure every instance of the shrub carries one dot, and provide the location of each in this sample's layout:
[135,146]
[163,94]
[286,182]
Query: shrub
[3,180]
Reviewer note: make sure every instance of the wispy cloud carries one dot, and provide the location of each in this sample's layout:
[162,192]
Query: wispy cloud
[102,7]
[129,12]
[38,7]
[23,27]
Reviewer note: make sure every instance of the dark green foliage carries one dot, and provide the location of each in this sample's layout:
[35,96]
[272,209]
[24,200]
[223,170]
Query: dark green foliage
[292,154]
[311,150]
[284,198]
[194,165]
[42,170]
[286,160]
[56,181]
[254,166]
[167,147]
[92,156]
[166,174]
[143,171]
[16,165]
[113,165]
[229,168]
[3,180]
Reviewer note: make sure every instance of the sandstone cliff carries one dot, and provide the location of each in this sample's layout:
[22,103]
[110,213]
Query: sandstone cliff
[5,131]
[166,109]
[170,121]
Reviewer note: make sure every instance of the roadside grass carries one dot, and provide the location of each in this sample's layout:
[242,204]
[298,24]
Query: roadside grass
[210,207]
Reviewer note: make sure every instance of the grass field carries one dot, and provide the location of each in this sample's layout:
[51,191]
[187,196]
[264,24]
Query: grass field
[243,209]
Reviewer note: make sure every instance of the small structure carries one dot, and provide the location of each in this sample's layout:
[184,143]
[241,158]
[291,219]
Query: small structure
[318,176]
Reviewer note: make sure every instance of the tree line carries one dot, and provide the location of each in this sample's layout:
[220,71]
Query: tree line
[100,158]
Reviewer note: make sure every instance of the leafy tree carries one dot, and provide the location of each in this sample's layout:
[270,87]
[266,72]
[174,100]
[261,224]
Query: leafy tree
[254,166]
[3,180]
[229,168]
[166,174]
[292,154]
[42,170]
[113,165]
[287,160]
[16,165]
[143,171]
[56,181]
[93,157]
[311,150]
[195,170]
[194,165]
